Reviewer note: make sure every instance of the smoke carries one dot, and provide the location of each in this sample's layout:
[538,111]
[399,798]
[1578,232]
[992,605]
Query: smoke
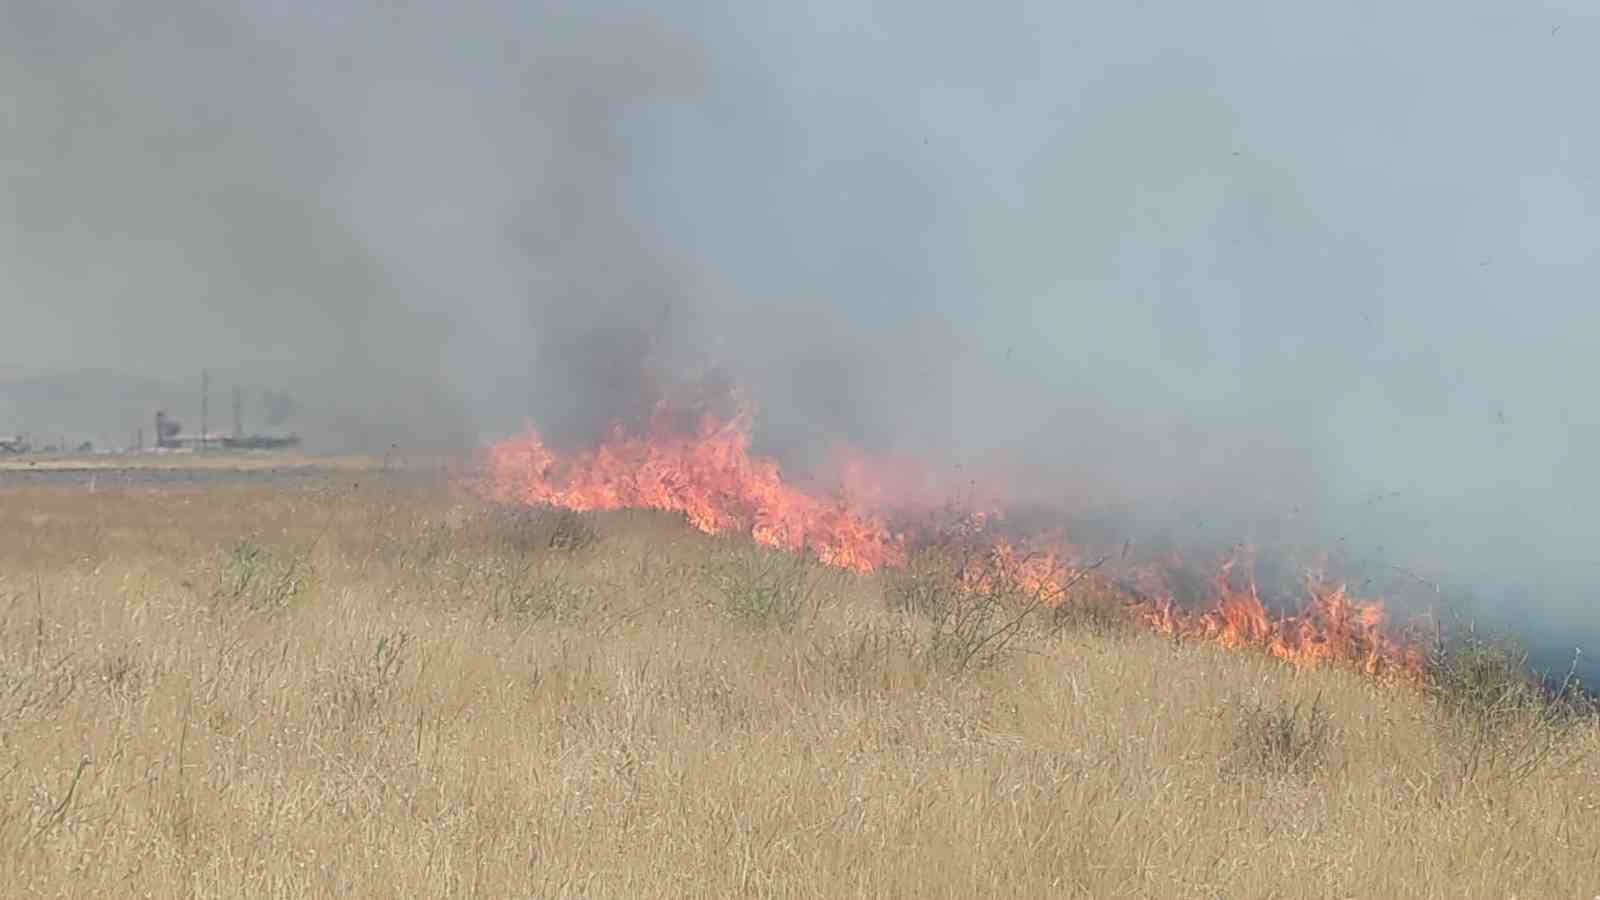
[1246,272]
[175,204]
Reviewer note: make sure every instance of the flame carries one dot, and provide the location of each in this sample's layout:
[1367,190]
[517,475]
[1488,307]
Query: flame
[707,473]
[1332,627]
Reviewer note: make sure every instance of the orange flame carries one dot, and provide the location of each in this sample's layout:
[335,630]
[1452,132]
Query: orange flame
[1332,628]
[709,475]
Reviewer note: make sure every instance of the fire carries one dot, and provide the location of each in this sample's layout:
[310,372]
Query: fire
[709,476]
[1332,628]
[707,473]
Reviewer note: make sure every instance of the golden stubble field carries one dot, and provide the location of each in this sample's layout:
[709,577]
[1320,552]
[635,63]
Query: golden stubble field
[372,687]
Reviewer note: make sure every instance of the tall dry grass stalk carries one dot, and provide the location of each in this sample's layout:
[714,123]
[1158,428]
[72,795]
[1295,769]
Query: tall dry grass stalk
[379,691]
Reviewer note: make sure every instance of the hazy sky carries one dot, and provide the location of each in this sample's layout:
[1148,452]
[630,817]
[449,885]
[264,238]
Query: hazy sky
[1302,253]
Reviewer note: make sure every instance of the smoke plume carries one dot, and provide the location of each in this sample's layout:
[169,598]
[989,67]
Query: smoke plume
[1241,273]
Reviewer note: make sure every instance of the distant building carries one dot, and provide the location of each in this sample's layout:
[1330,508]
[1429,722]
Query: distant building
[167,431]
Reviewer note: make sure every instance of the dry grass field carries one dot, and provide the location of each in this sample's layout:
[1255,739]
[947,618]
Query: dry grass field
[328,688]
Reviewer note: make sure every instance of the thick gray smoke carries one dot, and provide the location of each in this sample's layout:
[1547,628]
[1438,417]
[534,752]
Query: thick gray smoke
[1258,272]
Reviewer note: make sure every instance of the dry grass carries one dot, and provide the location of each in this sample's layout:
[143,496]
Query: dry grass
[344,692]
[202,462]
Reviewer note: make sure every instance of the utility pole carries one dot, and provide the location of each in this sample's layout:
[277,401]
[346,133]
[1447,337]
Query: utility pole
[238,415]
[205,398]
